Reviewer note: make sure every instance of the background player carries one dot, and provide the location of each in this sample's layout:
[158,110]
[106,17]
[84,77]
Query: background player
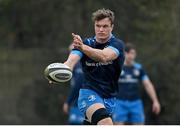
[102,58]
[70,107]
[129,107]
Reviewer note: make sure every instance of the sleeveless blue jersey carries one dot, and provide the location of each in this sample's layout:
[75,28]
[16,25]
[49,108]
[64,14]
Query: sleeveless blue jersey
[102,77]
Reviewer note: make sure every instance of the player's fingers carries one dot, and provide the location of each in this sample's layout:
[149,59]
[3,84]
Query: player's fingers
[73,34]
[76,37]
[153,108]
[65,108]
[156,109]
[76,46]
[79,38]
[76,41]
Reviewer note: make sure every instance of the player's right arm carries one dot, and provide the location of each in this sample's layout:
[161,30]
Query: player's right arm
[156,107]
[72,59]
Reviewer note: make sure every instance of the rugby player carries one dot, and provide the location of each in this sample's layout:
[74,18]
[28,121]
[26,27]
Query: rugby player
[102,58]
[129,106]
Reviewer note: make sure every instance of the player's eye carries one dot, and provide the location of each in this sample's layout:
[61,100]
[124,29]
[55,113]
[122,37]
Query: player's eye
[98,26]
[105,26]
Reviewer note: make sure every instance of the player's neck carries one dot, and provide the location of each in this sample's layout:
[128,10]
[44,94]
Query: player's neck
[128,63]
[101,41]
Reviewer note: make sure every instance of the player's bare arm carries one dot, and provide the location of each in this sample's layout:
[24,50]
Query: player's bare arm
[156,107]
[72,60]
[104,55]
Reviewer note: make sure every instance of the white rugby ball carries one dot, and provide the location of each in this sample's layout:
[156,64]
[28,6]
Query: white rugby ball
[58,73]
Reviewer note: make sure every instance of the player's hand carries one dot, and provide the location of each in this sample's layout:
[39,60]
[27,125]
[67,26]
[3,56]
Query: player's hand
[66,108]
[156,107]
[77,42]
[50,82]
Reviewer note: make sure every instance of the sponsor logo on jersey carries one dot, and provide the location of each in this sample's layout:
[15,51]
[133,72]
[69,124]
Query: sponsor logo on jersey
[99,63]
[128,79]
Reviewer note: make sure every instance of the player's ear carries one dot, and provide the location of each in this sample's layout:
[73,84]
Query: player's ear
[112,26]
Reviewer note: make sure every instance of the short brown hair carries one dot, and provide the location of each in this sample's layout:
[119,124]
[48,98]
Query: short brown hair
[129,47]
[103,13]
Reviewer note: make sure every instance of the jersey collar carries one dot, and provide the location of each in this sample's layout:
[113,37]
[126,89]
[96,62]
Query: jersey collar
[111,36]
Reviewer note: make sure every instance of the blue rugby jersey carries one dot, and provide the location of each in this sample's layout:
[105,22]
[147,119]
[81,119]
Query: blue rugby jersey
[130,82]
[76,84]
[102,77]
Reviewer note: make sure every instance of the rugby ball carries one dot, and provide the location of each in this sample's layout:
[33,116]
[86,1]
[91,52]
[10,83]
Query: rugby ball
[58,73]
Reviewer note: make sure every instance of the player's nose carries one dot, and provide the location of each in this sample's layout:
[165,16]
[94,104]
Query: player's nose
[101,29]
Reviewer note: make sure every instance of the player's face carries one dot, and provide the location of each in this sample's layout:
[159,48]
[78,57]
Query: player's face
[130,56]
[103,29]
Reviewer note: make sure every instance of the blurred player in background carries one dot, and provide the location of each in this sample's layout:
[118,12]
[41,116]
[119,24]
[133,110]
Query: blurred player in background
[102,58]
[129,107]
[70,107]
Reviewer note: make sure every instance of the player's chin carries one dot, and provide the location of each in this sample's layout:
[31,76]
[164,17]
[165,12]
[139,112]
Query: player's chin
[103,37]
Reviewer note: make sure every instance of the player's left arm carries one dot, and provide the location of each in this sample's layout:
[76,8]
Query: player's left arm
[156,107]
[104,55]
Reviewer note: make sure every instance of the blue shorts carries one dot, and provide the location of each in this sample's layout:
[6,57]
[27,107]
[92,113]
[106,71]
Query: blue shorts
[75,116]
[129,111]
[89,97]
